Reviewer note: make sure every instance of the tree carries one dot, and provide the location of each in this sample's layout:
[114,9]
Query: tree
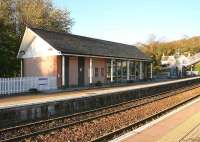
[32,13]
[41,14]
[9,65]
[155,49]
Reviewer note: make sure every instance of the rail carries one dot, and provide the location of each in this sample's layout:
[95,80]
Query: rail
[114,134]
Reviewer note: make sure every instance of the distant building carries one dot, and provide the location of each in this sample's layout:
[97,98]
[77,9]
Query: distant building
[177,65]
[79,61]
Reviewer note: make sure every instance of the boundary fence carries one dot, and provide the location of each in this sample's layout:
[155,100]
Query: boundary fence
[24,84]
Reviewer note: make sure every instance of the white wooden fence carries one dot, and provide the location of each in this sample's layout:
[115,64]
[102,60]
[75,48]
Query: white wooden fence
[24,84]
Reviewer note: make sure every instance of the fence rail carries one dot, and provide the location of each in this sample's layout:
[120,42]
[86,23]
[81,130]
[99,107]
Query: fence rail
[24,84]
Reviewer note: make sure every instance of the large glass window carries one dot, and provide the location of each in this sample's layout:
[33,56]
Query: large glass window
[114,70]
[145,70]
[137,70]
[132,70]
[119,69]
[148,70]
[108,69]
[141,71]
[124,70]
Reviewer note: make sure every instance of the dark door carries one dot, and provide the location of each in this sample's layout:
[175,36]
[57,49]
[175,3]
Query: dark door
[66,71]
[81,71]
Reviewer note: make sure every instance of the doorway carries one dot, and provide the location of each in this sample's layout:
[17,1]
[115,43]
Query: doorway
[81,62]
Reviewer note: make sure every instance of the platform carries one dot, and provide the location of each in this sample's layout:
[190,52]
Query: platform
[17,101]
[181,125]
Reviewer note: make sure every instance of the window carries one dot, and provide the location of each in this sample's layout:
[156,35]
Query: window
[124,68]
[102,71]
[132,70]
[108,68]
[114,69]
[96,72]
[137,69]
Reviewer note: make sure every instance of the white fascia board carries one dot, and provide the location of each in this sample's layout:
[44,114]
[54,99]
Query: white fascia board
[28,37]
[38,47]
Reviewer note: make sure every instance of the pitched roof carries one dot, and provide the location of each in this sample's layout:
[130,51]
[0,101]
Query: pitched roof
[75,44]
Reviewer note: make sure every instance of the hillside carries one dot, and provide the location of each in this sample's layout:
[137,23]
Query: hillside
[156,49]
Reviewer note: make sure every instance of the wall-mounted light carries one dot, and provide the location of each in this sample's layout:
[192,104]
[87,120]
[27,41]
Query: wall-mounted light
[22,52]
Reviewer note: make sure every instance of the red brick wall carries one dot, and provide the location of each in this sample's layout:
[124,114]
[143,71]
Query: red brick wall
[52,66]
[45,66]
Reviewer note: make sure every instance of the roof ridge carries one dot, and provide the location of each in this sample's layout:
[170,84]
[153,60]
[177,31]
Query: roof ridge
[65,42]
[80,36]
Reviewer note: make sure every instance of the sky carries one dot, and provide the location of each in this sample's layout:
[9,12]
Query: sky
[133,21]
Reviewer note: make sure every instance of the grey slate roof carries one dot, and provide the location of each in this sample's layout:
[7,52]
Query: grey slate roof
[74,44]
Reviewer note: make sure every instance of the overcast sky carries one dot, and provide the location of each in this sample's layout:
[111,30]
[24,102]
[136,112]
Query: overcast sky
[131,21]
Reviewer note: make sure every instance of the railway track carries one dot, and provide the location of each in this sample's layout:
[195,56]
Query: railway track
[121,131]
[42,127]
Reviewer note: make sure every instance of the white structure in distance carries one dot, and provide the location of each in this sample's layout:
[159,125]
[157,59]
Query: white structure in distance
[178,64]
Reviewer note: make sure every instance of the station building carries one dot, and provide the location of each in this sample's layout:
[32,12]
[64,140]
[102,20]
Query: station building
[81,61]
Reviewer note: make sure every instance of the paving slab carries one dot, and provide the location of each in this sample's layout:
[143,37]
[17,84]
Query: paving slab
[177,133]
